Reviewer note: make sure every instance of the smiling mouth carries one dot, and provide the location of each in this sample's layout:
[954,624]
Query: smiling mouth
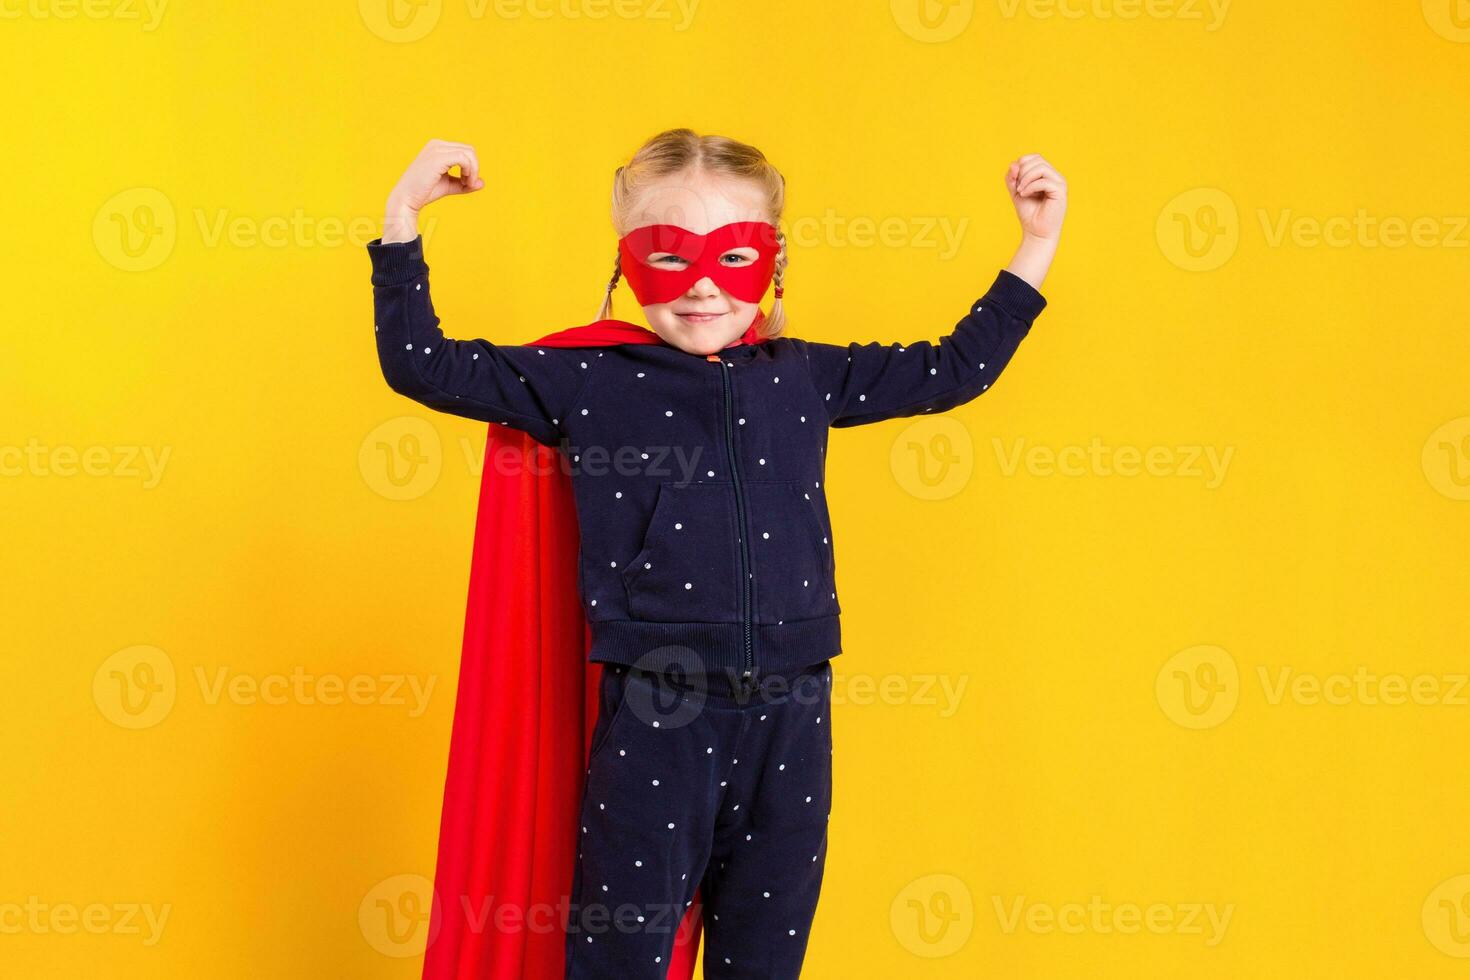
[699,317]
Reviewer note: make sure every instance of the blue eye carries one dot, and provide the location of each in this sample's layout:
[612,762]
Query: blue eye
[729,258]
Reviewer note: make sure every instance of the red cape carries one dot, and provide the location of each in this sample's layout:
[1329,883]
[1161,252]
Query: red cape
[523,719]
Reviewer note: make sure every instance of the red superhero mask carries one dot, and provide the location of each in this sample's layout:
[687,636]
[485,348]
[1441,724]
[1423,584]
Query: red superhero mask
[658,283]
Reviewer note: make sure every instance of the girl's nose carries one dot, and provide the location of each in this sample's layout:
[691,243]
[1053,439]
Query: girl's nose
[704,287]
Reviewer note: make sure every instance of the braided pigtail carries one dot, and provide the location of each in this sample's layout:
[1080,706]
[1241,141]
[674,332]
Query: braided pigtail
[604,312]
[776,319]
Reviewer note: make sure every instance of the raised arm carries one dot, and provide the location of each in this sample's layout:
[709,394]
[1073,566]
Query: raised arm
[525,387]
[862,383]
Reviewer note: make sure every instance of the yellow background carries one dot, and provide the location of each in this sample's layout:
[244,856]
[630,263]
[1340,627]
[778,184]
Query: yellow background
[1118,641]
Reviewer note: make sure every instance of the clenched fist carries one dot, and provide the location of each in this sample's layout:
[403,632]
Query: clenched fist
[426,180]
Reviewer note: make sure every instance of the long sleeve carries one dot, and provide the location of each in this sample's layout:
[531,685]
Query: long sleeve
[526,387]
[862,383]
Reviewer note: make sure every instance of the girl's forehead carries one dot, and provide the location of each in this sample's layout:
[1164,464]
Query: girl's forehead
[699,204]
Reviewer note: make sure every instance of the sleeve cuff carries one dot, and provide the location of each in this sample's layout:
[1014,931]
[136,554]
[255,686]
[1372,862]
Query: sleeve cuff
[397,262]
[1012,293]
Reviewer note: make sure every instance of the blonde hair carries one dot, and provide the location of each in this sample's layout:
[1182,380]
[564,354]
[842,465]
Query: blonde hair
[676,151]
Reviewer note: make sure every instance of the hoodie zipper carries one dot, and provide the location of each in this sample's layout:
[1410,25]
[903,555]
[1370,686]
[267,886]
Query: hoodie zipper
[740,527]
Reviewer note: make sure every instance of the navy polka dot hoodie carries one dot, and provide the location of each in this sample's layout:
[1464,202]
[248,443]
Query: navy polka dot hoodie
[698,480]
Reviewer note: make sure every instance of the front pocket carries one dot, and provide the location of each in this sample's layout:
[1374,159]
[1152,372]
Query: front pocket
[688,568]
[793,564]
[613,695]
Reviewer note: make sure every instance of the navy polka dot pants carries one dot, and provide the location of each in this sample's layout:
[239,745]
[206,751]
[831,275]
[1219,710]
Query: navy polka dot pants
[696,784]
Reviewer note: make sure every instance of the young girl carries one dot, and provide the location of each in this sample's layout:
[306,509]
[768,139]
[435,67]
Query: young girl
[706,568]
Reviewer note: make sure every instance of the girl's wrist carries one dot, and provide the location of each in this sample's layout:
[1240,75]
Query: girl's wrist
[400,223]
[1036,244]
[1033,259]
